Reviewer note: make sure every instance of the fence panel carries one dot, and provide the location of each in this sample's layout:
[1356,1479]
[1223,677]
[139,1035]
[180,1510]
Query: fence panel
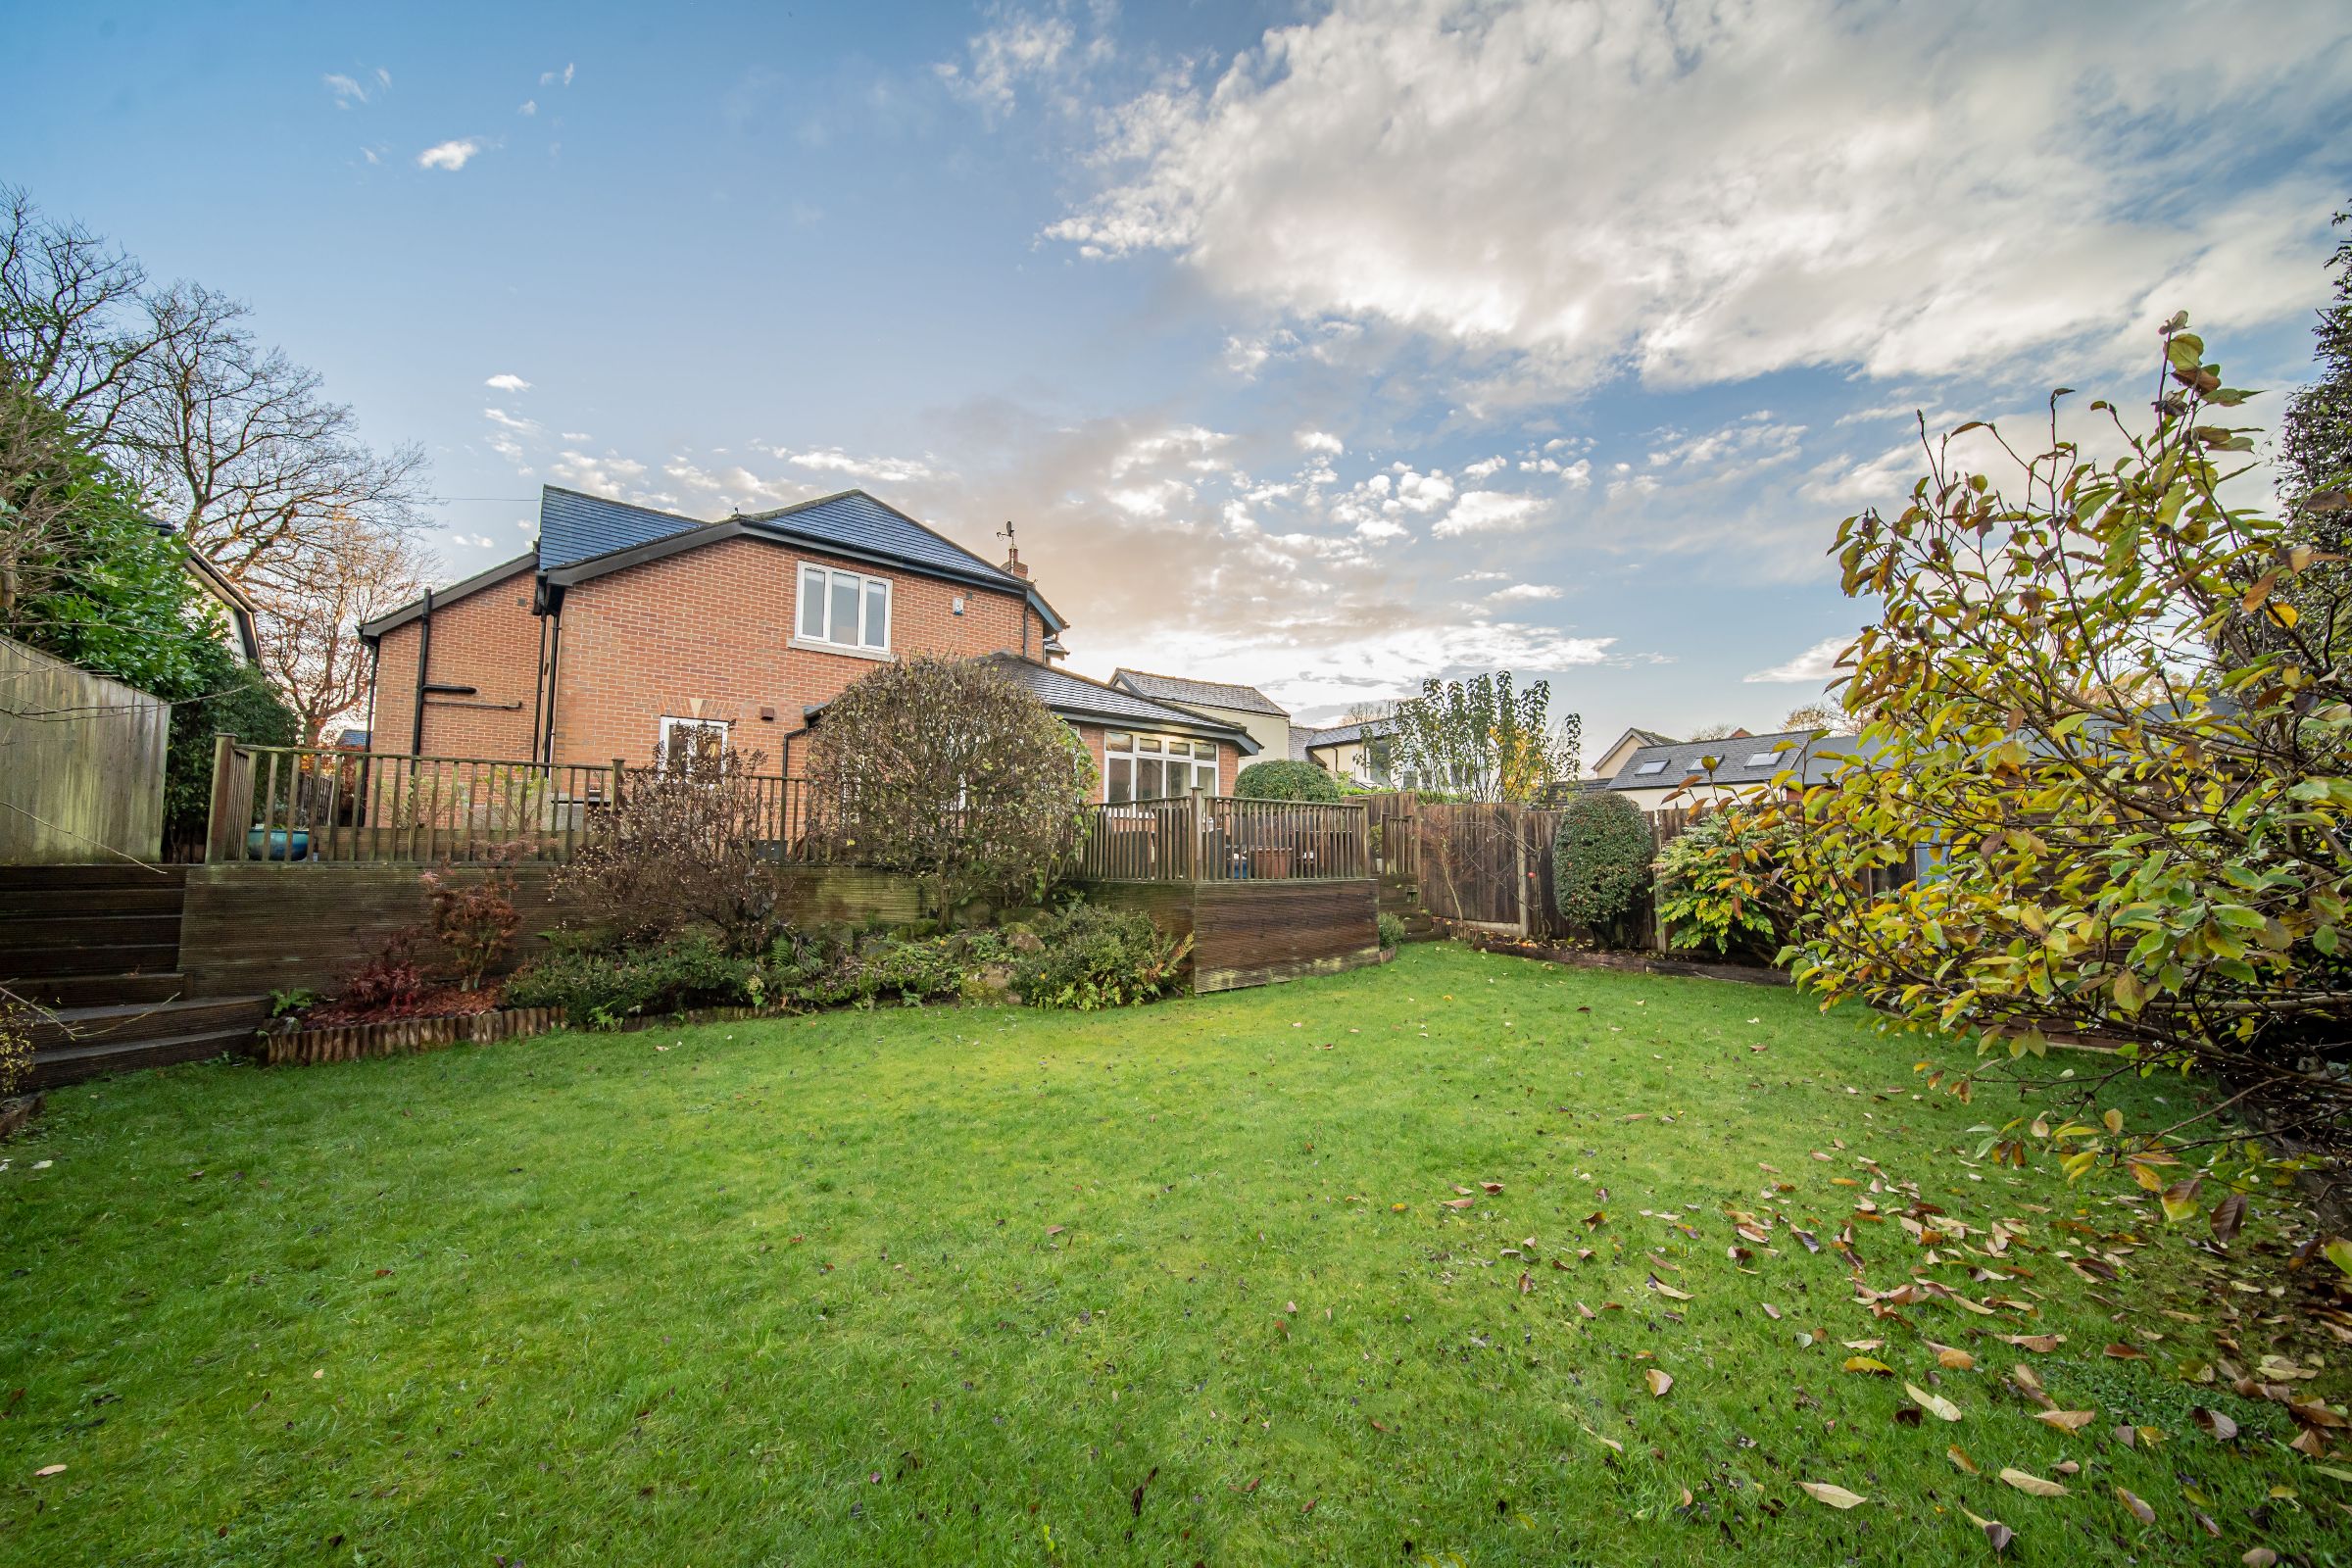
[1471,866]
[1222,838]
[290,804]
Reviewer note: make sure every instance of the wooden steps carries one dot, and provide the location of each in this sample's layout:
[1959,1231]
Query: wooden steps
[97,947]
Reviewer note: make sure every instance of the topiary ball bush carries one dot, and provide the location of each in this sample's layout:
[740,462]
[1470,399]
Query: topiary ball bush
[1286,781]
[1600,862]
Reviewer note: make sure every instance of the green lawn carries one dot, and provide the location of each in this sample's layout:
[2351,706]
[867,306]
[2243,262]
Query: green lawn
[1169,1285]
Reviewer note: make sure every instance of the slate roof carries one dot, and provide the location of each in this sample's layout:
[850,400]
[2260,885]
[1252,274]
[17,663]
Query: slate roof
[1075,696]
[1738,762]
[1303,739]
[1213,693]
[574,528]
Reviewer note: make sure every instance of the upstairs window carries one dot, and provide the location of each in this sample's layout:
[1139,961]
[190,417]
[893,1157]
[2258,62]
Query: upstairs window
[845,609]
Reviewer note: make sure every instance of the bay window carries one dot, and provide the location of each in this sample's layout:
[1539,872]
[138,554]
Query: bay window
[1151,767]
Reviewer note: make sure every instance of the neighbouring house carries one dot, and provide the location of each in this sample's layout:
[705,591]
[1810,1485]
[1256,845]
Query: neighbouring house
[627,631]
[1680,774]
[1268,721]
[1606,765]
[1354,754]
[240,631]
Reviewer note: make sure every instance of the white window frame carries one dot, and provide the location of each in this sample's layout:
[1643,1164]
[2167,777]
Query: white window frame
[671,724]
[1206,769]
[827,640]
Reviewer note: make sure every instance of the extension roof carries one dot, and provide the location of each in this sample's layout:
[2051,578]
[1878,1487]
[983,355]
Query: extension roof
[583,537]
[1078,697]
[1740,760]
[1212,693]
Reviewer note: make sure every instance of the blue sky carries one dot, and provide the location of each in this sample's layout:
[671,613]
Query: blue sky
[1316,346]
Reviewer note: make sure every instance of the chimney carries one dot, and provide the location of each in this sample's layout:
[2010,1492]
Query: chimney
[1012,563]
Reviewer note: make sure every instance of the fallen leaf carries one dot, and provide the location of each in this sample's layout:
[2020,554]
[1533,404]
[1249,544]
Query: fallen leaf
[2215,1425]
[2067,1420]
[1491,1187]
[1999,1534]
[2137,1504]
[2260,1557]
[2032,1485]
[1954,1361]
[1663,1288]
[49,1470]
[1659,1381]
[1459,1203]
[2227,1215]
[1835,1497]
[1771,1311]
[2043,1343]
[1933,1403]
[1526,1285]
[2125,1352]
[1863,1363]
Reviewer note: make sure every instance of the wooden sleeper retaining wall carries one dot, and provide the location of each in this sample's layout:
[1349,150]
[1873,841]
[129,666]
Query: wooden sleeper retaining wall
[400,1037]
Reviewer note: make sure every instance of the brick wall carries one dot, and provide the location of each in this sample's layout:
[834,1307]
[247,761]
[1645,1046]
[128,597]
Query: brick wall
[705,633]
[488,640]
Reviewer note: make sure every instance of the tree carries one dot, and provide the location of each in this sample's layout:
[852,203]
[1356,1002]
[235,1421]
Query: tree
[1484,741]
[1600,857]
[2313,463]
[2133,756]
[220,694]
[1821,714]
[1715,732]
[230,442]
[1277,779]
[684,847]
[950,771]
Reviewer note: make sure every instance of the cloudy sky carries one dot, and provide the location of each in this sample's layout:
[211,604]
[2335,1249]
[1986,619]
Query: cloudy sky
[1323,346]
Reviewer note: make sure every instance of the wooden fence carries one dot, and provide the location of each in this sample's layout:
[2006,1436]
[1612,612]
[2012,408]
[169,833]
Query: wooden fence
[1199,838]
[1492,865]
[82,763]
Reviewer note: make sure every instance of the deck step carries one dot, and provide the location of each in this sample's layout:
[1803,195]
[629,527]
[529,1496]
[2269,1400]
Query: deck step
[28,933]
[72,1064]
[52,962]
[100,990]
[14,877]
[41,903]
[121,1022]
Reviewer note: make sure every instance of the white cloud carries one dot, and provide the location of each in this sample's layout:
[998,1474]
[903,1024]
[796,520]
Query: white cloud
[578,438]
[1523,592]
[450,155]
[1990,182]
[1488,511]
[879,471]
[529,106]
[556,77]
[1816,665]
[1320,441]
[347,90]
[1034,49]
[1486,467]
[507,381]
[371,155]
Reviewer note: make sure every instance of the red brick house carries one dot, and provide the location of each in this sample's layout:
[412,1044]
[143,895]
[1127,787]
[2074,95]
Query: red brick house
[625,628]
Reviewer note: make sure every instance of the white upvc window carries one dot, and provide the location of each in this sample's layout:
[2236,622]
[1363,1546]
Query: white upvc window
[686,738]
[845,609]
[1151,767]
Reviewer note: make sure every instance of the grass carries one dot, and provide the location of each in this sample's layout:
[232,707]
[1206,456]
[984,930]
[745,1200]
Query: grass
[1168,1286]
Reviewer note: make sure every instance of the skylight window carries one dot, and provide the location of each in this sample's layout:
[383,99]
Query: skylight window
[1650,767]
[1763,758]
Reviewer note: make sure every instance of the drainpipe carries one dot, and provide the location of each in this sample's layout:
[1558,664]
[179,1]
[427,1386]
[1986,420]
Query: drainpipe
[555,663]
[425,655]
[538,684]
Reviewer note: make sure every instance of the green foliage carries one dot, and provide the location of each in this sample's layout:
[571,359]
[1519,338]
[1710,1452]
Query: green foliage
[219,692]
[830,968]
[1392,929]
[601,989]
[1088,957]
[1285,780]
[950,771]
[1479,740]
[292,1001]
[1718,885]
[1600,861]
[83,574]
[2134,754]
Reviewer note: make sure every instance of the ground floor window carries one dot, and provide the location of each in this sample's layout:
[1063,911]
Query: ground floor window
[1151,767]
[685,741]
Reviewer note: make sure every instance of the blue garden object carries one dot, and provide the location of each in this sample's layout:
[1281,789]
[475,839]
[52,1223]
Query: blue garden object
[277,844]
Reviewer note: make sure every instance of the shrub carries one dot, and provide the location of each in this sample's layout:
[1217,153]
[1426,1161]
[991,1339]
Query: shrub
[950,771]
[683,849]
[601,989]
[1392,929]
[1720,885]
[475,920]
[1286,781]
[1600,862]
[1088,956]
[390,985]
[828,969]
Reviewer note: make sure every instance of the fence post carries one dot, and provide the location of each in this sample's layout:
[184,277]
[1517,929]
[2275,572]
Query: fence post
[224,750]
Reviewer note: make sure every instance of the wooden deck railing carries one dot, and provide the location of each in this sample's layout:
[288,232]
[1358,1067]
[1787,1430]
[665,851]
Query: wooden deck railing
[1222,838]
[286,804]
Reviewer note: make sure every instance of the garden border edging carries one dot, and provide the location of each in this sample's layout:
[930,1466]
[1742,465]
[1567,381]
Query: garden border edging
[400,1037]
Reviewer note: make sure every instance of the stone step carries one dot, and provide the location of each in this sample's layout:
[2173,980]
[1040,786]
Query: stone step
[72,1064]
[123,1021]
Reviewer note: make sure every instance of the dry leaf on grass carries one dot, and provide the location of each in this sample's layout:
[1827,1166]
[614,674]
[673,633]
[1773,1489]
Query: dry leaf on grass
[1659,1381]
[1933,1403]
[2215,1425]
[2137,1504]
[2042,1344]
[1999,1534]
[1961,1461]
[1952,1359]
[2034,1485]
[1459,1202]
[2067,1420]
[1863,1363]
[49,1470]
[1835,1497]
